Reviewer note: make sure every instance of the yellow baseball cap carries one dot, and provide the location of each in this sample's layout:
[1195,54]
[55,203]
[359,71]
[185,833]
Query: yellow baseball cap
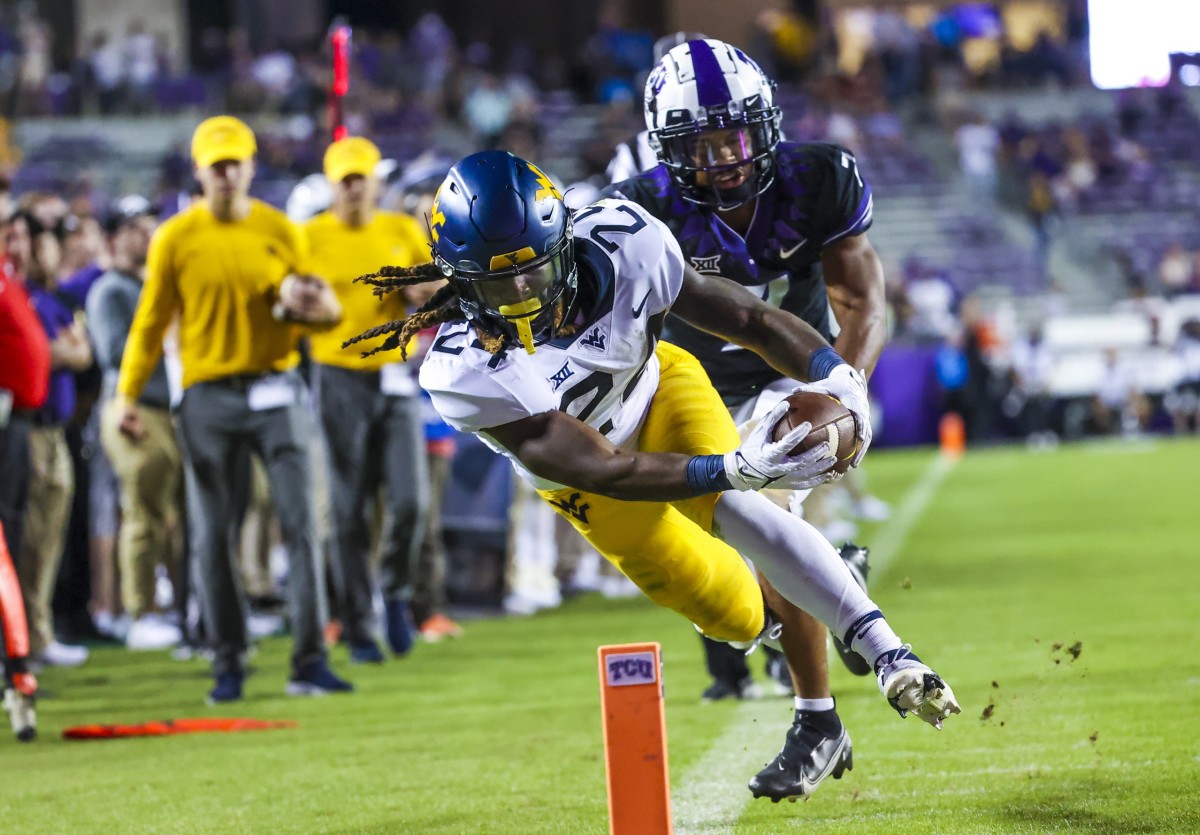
[220,138]
[352,155]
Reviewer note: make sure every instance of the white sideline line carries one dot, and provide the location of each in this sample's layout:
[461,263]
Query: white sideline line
[710,795]
[887,542]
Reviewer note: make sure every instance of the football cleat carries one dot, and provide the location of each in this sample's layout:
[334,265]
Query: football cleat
[855,558]
[910,686]
[769,636]
[365,652]
[316,679]
[721,689]
[20,697]
[227,687]
[817,746]
[437,626]
[398,626]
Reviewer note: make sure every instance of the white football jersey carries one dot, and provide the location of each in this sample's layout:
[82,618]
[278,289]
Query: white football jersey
[605,374]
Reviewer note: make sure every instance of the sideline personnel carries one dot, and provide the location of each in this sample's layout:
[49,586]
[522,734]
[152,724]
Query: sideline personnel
[231,268]
[369,407]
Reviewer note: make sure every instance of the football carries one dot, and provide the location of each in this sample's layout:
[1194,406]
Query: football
[831,421]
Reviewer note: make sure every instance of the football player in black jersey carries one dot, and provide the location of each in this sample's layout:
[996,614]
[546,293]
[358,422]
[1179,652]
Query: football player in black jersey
[623,433]
[788,222]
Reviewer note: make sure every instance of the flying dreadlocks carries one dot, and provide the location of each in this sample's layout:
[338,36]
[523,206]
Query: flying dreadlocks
[442,307]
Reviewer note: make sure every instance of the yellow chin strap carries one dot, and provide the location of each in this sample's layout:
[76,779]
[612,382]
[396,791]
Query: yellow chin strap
[527,311]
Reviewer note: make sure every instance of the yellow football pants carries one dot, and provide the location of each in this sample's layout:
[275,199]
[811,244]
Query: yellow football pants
[667,549]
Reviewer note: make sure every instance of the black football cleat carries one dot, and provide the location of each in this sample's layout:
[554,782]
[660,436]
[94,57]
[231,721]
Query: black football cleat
[721,689]
[855,558]
[817,746]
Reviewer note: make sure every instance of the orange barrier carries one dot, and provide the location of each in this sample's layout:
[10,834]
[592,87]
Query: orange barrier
[173,727]
[635,739]
[952,435]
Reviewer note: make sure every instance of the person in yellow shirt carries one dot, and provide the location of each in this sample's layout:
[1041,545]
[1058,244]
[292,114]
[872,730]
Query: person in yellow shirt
[234,271]
[369,408]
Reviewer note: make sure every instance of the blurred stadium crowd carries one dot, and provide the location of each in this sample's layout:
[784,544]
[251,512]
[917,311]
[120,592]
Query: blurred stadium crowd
[1043,263]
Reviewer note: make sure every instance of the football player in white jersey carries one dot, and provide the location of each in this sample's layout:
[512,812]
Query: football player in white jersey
[548,350]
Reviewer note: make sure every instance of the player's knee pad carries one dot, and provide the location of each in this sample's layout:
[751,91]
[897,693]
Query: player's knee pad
[672,560]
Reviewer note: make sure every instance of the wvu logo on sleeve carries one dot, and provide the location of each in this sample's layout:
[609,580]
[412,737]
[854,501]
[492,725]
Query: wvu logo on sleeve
[594,340]
[711,265]
[561,376]
[572,508]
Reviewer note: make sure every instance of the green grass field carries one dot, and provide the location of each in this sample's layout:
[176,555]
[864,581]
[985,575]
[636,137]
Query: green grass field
[1017,558]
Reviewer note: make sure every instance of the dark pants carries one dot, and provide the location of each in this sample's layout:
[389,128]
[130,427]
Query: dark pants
[216,425]
[728,663]
[374,440]
[14,479]
[429,579]
[73,587]
[724,663]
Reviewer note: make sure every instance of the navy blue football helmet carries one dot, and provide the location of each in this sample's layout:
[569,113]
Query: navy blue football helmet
[502,236]
[711,116]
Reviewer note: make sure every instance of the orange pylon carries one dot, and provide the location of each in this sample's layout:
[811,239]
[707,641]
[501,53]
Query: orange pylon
[635,739]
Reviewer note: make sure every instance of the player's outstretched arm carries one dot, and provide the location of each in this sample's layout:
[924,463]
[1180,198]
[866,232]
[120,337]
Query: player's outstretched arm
[791,346]
[556,446]
[728,310]
[561,448]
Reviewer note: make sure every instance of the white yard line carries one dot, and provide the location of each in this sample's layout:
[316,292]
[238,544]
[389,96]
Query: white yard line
[890,538]
[711,794]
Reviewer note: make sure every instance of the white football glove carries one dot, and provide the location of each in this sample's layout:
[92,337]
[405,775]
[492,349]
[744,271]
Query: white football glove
[850,387]
[760,462]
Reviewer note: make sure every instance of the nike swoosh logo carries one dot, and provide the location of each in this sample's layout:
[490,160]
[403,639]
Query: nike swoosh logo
[637,311]
[788,253]
[744,468]
[747,473]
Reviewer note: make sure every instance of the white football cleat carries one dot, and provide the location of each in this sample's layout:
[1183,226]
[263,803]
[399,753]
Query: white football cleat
[21,713]
[150,633]
[62,655]
[769,636]
[910,686]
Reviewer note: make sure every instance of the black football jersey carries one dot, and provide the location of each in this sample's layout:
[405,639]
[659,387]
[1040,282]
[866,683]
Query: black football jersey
[818,197]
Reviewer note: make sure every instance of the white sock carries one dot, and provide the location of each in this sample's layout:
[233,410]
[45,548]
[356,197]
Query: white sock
[871,637]
[803,567]
[815,705]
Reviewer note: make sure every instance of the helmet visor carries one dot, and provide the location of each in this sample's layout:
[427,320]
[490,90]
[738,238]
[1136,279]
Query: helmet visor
[721,167]
[511,288]
[718,148]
